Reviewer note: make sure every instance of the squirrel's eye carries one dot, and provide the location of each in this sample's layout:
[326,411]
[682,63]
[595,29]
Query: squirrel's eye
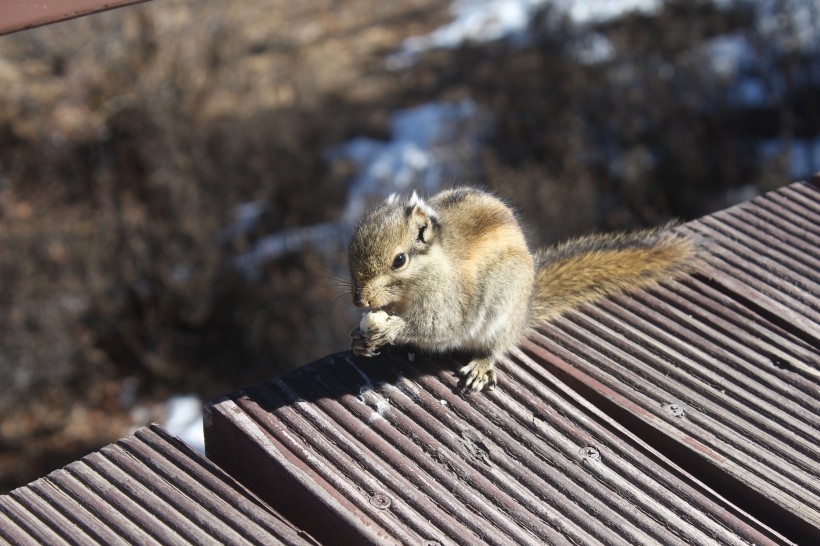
[399,260]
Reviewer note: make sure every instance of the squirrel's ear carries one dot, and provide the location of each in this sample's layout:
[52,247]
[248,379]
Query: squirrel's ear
[421,224]
[420,219]
[417,202]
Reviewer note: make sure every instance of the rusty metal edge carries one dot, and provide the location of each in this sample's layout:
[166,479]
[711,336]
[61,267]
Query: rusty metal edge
[167,493]
[18,16]
[147,443]
[303,499]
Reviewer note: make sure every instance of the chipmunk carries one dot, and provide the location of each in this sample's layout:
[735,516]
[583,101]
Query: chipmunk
[454,273]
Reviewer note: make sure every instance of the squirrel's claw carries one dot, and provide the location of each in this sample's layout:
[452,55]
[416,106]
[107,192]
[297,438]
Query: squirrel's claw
[361,344]
[367,343]
[478,374]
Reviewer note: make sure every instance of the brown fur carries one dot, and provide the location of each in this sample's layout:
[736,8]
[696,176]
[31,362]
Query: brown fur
[585,269]
[470,283]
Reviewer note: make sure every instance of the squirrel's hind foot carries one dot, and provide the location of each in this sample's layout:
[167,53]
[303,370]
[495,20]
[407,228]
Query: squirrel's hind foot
[478,374]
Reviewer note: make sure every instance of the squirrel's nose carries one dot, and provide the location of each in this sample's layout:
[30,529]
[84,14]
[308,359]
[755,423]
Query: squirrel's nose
[357,298]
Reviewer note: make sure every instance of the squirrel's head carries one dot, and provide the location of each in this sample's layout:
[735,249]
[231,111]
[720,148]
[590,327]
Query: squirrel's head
[390,251]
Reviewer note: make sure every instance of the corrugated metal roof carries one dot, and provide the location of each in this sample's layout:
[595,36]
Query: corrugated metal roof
[148,488]
[383,450]
[685,414]
[23,14]
[720,370]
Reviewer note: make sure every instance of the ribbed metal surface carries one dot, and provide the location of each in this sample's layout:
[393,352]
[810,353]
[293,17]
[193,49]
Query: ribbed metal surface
[149,488]
[683,414]
[383,450]
[722,370]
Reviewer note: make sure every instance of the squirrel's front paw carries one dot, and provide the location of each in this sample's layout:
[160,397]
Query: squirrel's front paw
[360,343]
[478,374]
[373,334]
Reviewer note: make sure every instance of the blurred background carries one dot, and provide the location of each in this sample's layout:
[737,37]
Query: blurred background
[178,178]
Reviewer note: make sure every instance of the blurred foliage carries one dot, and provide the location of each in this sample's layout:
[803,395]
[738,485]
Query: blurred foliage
[129,139]
[651,133]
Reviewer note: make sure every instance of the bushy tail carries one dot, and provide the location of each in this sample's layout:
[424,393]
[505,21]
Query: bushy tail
[584,269]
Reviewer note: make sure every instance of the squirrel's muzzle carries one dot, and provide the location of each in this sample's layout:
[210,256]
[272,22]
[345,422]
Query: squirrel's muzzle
[358,301]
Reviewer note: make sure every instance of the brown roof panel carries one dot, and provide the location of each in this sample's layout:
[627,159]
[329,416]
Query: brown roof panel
[146,488]
[771,266]
[687,413]
[23,14]
[720,371]
[383,450]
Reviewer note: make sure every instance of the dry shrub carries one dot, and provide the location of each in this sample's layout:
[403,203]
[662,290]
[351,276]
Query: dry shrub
[127,139]
[650,134]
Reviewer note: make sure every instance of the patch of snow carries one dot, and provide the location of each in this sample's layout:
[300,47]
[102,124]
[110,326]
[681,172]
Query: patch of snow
[473,21]
[418,156]
[783,26]
[789,25]
[425,149]
[285,242]
[246,215]
[803,155]
[478,21]
[184,419]
[728,56]
[592,48]
[733,59]
[750,92]
[583,12]
[804,159]
[423,152]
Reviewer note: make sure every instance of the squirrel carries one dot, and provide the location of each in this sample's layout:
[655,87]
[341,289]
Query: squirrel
[455,273]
